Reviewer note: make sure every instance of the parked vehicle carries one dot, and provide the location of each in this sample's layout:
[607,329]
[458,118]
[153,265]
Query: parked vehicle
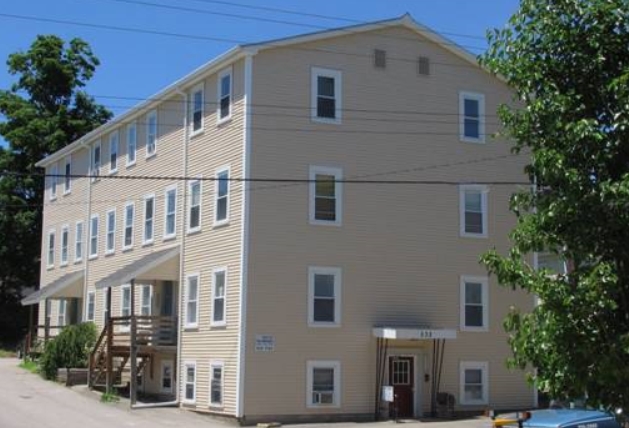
[557,418]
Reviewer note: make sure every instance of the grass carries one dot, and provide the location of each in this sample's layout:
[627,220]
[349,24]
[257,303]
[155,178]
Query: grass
[29,365]
[110,397]
[5,353]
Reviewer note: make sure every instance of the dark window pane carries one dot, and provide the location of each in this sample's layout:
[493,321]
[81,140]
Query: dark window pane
[323,285]
[471,108]
[323,379]
[324,310]
[225,85]
[189,392]
[219,309]
[324,185]
[196,120]
[472,128]
[473,392]
[473,316]
[473,222]
[221,209]
[224,107]
[222,184]
[325,209]
[473,292]
[326,107]
[194,217]
[325,86]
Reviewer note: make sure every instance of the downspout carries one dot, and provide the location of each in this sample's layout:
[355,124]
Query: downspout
[84,253]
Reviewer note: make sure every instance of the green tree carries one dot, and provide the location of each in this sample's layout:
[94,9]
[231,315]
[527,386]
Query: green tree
[568,62]
[44,110]
[70,349]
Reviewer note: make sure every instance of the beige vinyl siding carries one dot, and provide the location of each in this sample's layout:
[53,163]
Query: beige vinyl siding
[399,246]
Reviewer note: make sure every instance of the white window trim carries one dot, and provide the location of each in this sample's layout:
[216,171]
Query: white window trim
[124,226]
[78,242]
[152,239]
[338,192]
[64,229]
[463,95]
[483,280]
[95,170]
[105,299]
[227,71]
[337,273]
[143,288]
[124,287]
[114,135]
[67,184]
[196,229]
[130,126]
[324,364]
[50,265]
[89,239]
[62,313]
[172,378]
[184,382]
[337,75]
[54,181]
[484,190]
[148,127]
[222,322]
[174,233]
[484,367]
[195,324]
[90,295]
[111,250]
[216,364]
[200,87]
[225,221]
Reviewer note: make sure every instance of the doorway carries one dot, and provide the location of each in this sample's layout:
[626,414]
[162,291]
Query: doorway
[402,379]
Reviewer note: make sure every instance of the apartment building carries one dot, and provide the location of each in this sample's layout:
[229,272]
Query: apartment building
[293,232]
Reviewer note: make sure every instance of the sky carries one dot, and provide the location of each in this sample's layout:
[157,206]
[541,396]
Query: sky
[138,65]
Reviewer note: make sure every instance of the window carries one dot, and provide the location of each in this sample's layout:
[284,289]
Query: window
[132,143]
[553,262]
[110,240]
[106,305]
[113,152]
[224,92]
[473,380]
[323,384]
[65,242]
[197,110]
[474,304]
[67,183]
[324,297]
[380,58]
[216,383]
[149,214]
[326,95]
[78,242]
[473,206]
[51,249]
[170,212]
[167,376]
[192,300]
[93,236]
[218,296]
[61,315]
[95,161]
[190,382]
[146,299]
[325,195]
[472,117]
[194,214]
[53,181]
[221,214]
[91,303]
[129,213]
[151,133]
[125,301]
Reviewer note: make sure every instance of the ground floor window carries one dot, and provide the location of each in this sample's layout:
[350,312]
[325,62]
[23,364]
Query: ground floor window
[474,382]
[190,382]
[167,376]
[323,384]
[216,383]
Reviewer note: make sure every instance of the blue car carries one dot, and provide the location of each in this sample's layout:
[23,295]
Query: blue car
[559,418]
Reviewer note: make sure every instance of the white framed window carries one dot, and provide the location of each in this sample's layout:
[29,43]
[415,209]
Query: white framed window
[553,262]
[67,182]
[323,384]
[65,243]
[125,300]
[129,218]
[110,238]
[473,210]
[474,303]
[170,212]
[194,206]
[91,305]
[166,378]
[216,383]
[149,219]
[324,296]
[472,117]
[53,181]
[326,95]
[105,306]
[190,382]
[221,203]
[132,143]
[146,299]
[63,310]
[151,133]
[50,259]
[96,161]
[114,139]
[326,196]
[219,288]
[474,386]
[78,242]
[192,301]
[93,236]
[224,92]
[196,110]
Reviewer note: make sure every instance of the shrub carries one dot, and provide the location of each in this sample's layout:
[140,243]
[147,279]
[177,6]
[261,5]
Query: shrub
[70,349]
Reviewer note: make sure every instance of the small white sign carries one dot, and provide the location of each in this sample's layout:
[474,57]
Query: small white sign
[265,343]
[387,393]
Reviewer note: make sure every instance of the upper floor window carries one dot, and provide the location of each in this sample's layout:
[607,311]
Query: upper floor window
[78,242]
[96,160]
[473,210]
[325,195]
[65,242]
[197,110]
[113,151]
[472,117]
[474,386]
[146,299]
[224,95]
[63,310]
[170,210]
[110,240]
[129,214]
[192,301]
[474,304]
[323,384]
[222,197]
[132,143]
[218,296]
[91,305]
[324,297]
[93,236]
[552,262]
[149,216]
[125,304]
[194,211]
[326,94]
[50,261]
[67,183]
[53,181]
[151,133]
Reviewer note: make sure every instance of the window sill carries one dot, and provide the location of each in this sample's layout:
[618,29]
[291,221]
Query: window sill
[150,156]
[474,235]
[313,324]
[110,253]
[50,267]
[222,122]
[130,164]
[216,406]
[64,264]
[194,134]
[53,198]
[323,406]
[218,325]
[191,327]
[67,192]
[92,257]
[77,261]
[325,223]
[222,223]
[464,139]
[169,237]
[464,329]
[113,171]
[326,120]
[147,243]
[126,249]
[193,231]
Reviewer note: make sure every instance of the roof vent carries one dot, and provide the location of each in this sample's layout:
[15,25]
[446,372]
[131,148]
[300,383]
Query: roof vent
[380,58]
[423,66]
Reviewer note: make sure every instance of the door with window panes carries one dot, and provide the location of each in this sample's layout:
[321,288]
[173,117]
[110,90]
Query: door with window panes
[401,377]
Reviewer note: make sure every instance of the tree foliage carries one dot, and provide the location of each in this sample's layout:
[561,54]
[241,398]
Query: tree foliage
[70,349]
[44,110]
[568,62]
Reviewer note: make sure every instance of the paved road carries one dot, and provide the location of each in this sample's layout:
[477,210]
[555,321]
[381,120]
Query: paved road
[27,401]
